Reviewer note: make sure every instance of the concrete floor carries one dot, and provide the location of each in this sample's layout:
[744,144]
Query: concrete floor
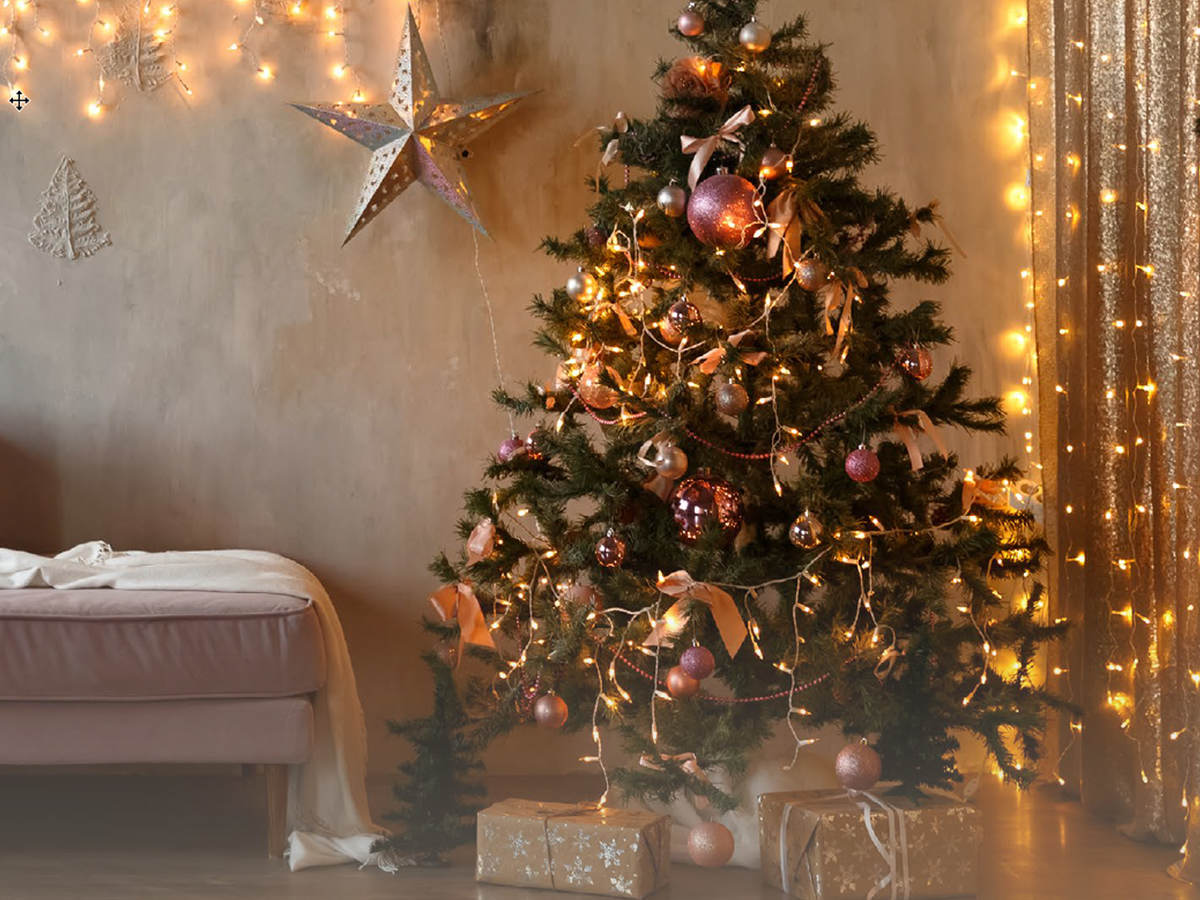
[71,837]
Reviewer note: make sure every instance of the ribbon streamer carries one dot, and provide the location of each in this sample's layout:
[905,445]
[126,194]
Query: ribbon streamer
[704,148]
[909,434]
[784,229]
[688,763]
[458,601]
[724,611]
[621,126]
[710,361]
[482,541]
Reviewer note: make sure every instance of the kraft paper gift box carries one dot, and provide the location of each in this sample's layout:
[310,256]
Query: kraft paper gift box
[573,847]
[815,845]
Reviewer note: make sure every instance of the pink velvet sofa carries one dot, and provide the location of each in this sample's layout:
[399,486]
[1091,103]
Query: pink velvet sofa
[91,677]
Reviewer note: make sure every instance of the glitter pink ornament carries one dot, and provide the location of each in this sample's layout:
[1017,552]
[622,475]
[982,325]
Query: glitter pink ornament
[862,464]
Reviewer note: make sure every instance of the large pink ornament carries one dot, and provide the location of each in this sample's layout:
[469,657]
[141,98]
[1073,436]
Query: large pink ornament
[702,500]
[710,844]
[722,211]
[858,767]
[862,465]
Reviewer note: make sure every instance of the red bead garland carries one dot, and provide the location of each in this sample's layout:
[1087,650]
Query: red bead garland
[711,699]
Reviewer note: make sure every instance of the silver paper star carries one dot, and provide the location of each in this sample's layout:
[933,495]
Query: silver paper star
[415,136]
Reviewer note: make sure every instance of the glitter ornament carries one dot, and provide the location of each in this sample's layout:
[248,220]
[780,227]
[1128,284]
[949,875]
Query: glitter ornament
[690,23]
[916,362]
[721,211]
[680,684]
[550,711]
[684,316]
[862,464]
[811,274]
[672,200]
[671,462]
[710,844]
[610,551]
[701,501]
[858,767]
[755,36]
[774,163]
[697,662]
[731,399]
[595,236]
[582,286]
[510,449]
[805,531]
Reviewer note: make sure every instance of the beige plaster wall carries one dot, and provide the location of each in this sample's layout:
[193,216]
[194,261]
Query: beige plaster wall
[226,375]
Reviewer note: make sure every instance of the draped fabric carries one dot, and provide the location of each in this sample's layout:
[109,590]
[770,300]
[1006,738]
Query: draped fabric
[1113,88]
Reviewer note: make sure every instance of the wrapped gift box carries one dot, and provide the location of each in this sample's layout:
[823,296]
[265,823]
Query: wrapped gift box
[816,845]
[573,847]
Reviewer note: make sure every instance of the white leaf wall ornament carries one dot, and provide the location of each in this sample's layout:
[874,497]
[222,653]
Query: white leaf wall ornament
[65,225]
[136,55]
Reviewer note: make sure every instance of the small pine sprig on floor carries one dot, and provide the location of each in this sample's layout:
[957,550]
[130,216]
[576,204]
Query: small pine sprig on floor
[437,798]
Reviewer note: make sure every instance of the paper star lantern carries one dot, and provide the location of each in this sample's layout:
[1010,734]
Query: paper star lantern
[416,136]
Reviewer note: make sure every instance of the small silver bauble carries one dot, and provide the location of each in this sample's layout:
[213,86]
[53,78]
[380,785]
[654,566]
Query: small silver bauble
[582,286]
[691,23]
[671,462]
[672,200]
[755,36]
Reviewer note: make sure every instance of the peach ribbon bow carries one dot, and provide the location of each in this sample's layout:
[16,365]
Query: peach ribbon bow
[724,611]
[909,433]
[458,601]
[704,148]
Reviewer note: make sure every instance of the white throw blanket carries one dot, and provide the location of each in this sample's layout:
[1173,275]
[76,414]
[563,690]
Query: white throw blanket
[328,818]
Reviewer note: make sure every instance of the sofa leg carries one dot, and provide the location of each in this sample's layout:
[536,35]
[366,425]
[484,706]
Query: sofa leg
[277,801]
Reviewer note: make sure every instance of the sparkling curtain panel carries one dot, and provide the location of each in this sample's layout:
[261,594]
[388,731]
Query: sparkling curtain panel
[1113,142]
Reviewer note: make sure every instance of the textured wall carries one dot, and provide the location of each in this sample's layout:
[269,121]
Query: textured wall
[226,375]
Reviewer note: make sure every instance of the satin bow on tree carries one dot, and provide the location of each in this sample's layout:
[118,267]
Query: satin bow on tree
[839,295]
[909,434]
[724,611]
[786,216]
[709,361]
[458,601]
[704,148]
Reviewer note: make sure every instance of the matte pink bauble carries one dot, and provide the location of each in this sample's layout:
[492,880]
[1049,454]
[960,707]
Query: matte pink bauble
[862,465]
[858,767]
[681,684]
[550,711]
[721,211]
[710,844]
[691,23]
[510,449]
[697,662]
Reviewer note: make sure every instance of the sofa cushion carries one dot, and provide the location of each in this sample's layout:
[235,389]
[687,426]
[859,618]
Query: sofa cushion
[105,644]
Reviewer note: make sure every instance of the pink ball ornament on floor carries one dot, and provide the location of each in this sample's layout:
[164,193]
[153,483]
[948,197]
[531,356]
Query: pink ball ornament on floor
[862,465]
[697,662]
[710,844]
[858,767]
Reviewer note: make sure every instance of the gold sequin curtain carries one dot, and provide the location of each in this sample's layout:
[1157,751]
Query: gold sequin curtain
[1113,143]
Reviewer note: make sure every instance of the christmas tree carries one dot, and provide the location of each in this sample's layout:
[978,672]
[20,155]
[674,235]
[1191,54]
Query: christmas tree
[437,796]
[65,224]
[735,514]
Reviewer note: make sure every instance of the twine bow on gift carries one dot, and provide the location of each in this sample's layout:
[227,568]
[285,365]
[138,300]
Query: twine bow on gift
[724,611]
[688,763]
[704,148]
[909,434]
[894,852]
[458,601]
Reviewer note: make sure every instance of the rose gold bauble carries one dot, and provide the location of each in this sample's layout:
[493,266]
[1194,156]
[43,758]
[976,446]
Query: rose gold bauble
[710,844]
[534,444]
[702,500]
[805,531]
[671,462]
[610,551]
[594,391]
[684,316]
[916,362]
[681,684]
[550,711]
[774,163]
[731,399]
[668,332]
[862,465]
[811,274]
[858,767]
[721,211]
[691,23]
